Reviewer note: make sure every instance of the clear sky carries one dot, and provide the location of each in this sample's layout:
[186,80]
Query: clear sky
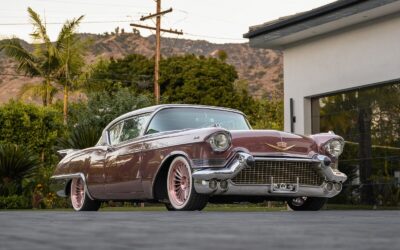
[220,21]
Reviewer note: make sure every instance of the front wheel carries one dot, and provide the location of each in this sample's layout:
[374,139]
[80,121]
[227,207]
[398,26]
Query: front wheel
[79,198]
[306,203]
[181,193]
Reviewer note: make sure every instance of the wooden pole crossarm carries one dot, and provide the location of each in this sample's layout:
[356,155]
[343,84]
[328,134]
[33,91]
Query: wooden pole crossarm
[157,56]
[153,28]
[156,14]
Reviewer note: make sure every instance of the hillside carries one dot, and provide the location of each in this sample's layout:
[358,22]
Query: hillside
[260,67]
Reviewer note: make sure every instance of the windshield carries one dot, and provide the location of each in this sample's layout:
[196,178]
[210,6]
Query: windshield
[189,118]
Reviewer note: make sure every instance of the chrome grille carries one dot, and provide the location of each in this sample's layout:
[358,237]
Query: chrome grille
[281,171]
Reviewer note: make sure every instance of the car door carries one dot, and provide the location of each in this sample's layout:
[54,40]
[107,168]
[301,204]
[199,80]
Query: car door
[95,177]
[123,159]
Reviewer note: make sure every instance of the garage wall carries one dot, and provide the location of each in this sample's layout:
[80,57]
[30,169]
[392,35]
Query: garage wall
[363,55]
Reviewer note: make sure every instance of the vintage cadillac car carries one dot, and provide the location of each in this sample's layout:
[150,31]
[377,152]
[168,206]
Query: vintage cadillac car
[188,155]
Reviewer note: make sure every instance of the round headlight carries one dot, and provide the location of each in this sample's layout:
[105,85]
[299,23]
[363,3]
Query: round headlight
[220,142]
[334,147]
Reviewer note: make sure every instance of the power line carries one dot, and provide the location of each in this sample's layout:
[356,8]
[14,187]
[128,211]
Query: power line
[125,21]
[158,14]
[57,23]
[215,37]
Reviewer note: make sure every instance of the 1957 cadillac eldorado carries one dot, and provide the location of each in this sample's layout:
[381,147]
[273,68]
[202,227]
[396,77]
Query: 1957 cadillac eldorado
[188,155]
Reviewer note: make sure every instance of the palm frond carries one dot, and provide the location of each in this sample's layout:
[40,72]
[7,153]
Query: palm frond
[30,89]
[40,32]
[67,32]
[37,90]
[80,137]
[16,162]
[26,61]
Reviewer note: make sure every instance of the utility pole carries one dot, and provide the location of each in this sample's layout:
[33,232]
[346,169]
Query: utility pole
[158,30]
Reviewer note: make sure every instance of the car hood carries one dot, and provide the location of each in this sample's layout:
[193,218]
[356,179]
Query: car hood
[274,143]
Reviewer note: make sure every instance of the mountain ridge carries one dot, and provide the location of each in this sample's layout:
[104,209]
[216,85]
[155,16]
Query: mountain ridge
[261,68]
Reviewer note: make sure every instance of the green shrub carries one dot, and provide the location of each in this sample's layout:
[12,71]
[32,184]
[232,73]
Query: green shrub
[81,136]
[14,202]
[16,163]
[33,127]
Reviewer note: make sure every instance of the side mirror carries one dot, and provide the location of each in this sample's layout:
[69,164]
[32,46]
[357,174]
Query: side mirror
[110,149]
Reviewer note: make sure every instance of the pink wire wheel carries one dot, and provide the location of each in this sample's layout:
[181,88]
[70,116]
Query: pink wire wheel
[77,193]
[179,182]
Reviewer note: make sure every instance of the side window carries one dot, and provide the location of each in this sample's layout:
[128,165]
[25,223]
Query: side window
[102,141]
[115,133]
[128,129]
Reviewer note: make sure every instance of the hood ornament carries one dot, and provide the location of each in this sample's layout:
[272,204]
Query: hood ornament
[281,146]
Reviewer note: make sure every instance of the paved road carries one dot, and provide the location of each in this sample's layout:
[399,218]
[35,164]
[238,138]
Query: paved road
[200,230]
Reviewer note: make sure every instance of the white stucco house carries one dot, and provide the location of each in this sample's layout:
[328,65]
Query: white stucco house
[333,49]
[342,74]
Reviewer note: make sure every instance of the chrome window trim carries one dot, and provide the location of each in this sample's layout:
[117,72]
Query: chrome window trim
[194,107]
[107,130]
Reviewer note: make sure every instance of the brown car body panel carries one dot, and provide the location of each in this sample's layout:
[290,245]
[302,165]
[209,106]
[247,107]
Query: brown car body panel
[128,171]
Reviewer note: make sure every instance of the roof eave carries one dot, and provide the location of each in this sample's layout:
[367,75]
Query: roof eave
[302,17]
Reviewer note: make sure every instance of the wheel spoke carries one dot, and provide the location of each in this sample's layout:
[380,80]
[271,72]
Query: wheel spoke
[77,193]
[178,176]
[177,171]
[179,183]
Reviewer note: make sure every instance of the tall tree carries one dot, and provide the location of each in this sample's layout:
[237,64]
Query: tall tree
[69,53]
[53,62]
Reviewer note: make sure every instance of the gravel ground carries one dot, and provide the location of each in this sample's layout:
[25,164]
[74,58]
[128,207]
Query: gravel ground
[200,230]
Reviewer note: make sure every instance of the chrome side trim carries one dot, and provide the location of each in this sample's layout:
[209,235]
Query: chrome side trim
[334,175]
[71,176]
[328,172]
[241,161]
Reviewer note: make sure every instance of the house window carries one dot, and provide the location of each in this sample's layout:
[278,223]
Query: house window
[369,121]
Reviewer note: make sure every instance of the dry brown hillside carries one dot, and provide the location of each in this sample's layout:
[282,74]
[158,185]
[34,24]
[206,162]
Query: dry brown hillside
[260,67]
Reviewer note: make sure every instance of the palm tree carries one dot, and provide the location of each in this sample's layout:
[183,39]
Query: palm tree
[69,50]
[39,63]
[57,61]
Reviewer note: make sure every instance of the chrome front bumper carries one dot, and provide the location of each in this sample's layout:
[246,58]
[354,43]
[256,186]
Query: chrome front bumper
[218,181]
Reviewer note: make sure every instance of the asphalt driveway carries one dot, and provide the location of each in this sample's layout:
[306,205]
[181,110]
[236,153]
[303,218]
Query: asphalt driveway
[200,230]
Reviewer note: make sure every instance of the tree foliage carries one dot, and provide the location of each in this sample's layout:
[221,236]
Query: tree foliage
[186,79]
[54,62]
[190,79]
[133,71]
[16,163]
[35,128]
[81,136]
[103,107]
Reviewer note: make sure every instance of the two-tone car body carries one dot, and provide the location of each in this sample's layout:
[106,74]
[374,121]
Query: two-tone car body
[187,155]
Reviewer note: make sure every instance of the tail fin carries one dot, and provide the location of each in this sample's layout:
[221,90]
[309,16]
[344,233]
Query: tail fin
[64,152]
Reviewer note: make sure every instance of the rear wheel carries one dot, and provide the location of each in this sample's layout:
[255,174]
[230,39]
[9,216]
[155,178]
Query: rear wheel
[79,198]
[306,203]
[181,193]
